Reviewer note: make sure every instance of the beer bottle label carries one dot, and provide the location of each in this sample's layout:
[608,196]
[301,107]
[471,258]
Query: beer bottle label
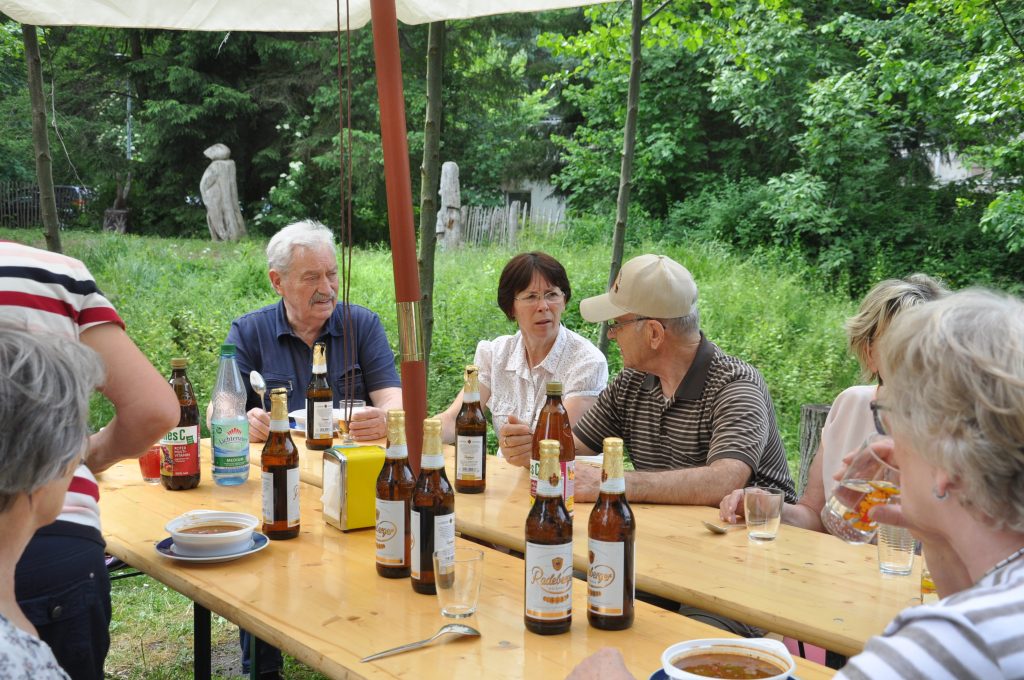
[291,495]
[323,420]
[534,473]
[444,539]
[548,581]
[605,577]
[469,457]
[180,456]
[568,484]
[417,541]
[390,533]
[396,452]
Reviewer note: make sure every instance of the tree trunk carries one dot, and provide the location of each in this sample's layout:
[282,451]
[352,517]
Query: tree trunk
[430,169]
[40,139]
[628,144]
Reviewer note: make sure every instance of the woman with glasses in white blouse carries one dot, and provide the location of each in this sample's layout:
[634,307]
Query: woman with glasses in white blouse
[533,291]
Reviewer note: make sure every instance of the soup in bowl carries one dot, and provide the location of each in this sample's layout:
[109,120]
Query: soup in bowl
[211,533]
[728,659]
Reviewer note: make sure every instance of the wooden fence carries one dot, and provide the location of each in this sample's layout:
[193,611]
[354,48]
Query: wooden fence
[483,225]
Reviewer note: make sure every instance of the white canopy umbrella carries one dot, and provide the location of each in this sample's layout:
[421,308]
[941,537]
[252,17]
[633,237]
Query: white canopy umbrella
[314,16]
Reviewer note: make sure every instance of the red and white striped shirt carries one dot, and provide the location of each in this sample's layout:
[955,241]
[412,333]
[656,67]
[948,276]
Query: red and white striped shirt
[44,292]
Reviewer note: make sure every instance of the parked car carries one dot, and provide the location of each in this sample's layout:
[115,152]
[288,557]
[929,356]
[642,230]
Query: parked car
[19,205]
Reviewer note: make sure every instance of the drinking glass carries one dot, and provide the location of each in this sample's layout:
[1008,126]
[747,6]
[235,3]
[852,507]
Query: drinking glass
[346,409]
[895,550]
[458,581]
[763,510]
[149,464]
[869,481]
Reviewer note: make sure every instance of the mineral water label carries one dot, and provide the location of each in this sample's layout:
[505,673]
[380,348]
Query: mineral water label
[444,538]
[180,452]
[469,457]
[230,443]
[396,451]
[549,581]
[605,577]
[323,420]
[291,493]
[390,533]
[414,551]
[569,484]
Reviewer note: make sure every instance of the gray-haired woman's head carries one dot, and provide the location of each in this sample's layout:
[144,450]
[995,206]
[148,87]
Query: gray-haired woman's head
[307,234]
[45,384]
[954,372]
[881,305]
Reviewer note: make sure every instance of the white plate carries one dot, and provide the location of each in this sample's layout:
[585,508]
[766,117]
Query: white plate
[166,548]
[597,460]
[299,417]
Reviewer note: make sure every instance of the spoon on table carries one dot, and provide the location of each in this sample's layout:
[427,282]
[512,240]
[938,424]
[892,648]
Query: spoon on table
[259,385]
[718,529]
[449,629]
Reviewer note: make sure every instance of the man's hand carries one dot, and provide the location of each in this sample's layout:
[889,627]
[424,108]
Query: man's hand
[588,482]
[731,508]
[368,424]
[605,664]
[516,441]
[259,425]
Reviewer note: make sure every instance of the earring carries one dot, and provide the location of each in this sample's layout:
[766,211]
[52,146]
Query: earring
[942,496]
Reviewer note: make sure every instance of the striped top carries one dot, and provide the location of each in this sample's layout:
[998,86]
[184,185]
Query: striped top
[44,292]
[721,409]
[976,633]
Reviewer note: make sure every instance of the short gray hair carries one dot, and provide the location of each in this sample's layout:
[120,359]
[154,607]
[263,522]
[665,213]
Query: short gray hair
[954,372]
[45,384]
[307,233]
[684,325]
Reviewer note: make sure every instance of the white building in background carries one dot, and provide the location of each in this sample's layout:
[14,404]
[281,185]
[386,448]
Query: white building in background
[947,168]
[545,205]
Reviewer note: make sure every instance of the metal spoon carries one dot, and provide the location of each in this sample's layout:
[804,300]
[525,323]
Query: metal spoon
[259,385]
[718,529]
[451,628]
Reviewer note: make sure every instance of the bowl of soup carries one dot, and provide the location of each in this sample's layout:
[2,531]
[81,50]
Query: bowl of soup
[728,659]
[211,533]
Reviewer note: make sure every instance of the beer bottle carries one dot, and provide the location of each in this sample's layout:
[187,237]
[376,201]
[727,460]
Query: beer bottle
[179,448]
[553,423]
[471,438]
[548,601]
[395,484]
[433,511]
[319,404]
[611,533]
[280,466]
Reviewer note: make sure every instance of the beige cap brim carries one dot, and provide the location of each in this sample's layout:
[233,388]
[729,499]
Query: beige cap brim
[600,308]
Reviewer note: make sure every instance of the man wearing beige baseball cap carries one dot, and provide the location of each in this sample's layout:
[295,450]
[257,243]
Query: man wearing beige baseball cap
[697,422]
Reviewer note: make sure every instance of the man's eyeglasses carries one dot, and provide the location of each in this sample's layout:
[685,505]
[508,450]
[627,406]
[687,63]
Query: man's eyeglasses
[614,325]
[552,297]
[875,413]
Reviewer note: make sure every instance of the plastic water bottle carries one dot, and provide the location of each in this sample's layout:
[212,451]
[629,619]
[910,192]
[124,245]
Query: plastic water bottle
[230,431]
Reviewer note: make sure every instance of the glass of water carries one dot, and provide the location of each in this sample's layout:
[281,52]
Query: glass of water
[763,509]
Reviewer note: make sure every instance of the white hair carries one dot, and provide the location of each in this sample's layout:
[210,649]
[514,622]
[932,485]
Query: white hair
[954,371]
[307,234]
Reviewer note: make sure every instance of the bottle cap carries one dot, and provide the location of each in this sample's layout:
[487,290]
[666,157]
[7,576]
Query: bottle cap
[279,390]
[179,362]
[554,388]
[612,445]
[431,426]
[227,349]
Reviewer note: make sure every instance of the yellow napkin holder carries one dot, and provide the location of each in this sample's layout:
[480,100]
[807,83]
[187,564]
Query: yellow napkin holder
[350,485]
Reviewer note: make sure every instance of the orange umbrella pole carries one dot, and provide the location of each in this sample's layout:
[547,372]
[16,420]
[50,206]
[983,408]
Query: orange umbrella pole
[400,218]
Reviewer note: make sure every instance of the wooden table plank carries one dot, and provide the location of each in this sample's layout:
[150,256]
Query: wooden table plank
[805,584]
[318,597]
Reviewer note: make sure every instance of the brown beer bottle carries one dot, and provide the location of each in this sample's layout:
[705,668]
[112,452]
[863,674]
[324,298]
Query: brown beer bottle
[280,466]
[611,532]
[432,515]
[395,484]
[548,601]
[553,423]
[471,438]
[319,404]
[179,448]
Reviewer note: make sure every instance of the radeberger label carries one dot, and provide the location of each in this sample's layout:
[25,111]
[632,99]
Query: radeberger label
[549,581]
[605,577]
[180,452]
[390,533]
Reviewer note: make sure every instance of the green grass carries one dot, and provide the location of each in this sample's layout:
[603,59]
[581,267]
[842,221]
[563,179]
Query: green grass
[178,297]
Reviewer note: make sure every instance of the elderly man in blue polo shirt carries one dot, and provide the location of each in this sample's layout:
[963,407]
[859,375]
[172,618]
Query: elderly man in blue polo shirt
[277,340]
[697,422]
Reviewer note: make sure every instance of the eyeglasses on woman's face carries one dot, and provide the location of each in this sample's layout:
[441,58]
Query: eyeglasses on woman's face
[552,297]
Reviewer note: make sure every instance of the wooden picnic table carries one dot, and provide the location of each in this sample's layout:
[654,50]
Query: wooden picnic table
[807,585]
[318,597]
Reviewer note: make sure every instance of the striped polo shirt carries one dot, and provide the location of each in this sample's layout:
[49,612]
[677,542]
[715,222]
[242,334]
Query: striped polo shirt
[976,633]
[721,409]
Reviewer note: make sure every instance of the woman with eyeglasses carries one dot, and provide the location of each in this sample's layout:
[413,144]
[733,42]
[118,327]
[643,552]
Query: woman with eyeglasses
[851,418]
[533,291]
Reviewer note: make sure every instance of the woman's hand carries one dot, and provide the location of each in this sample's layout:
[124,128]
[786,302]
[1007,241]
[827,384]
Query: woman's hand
[516,441]
[731,507]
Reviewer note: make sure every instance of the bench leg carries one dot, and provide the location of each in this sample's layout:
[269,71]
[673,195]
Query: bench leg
[201,642]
